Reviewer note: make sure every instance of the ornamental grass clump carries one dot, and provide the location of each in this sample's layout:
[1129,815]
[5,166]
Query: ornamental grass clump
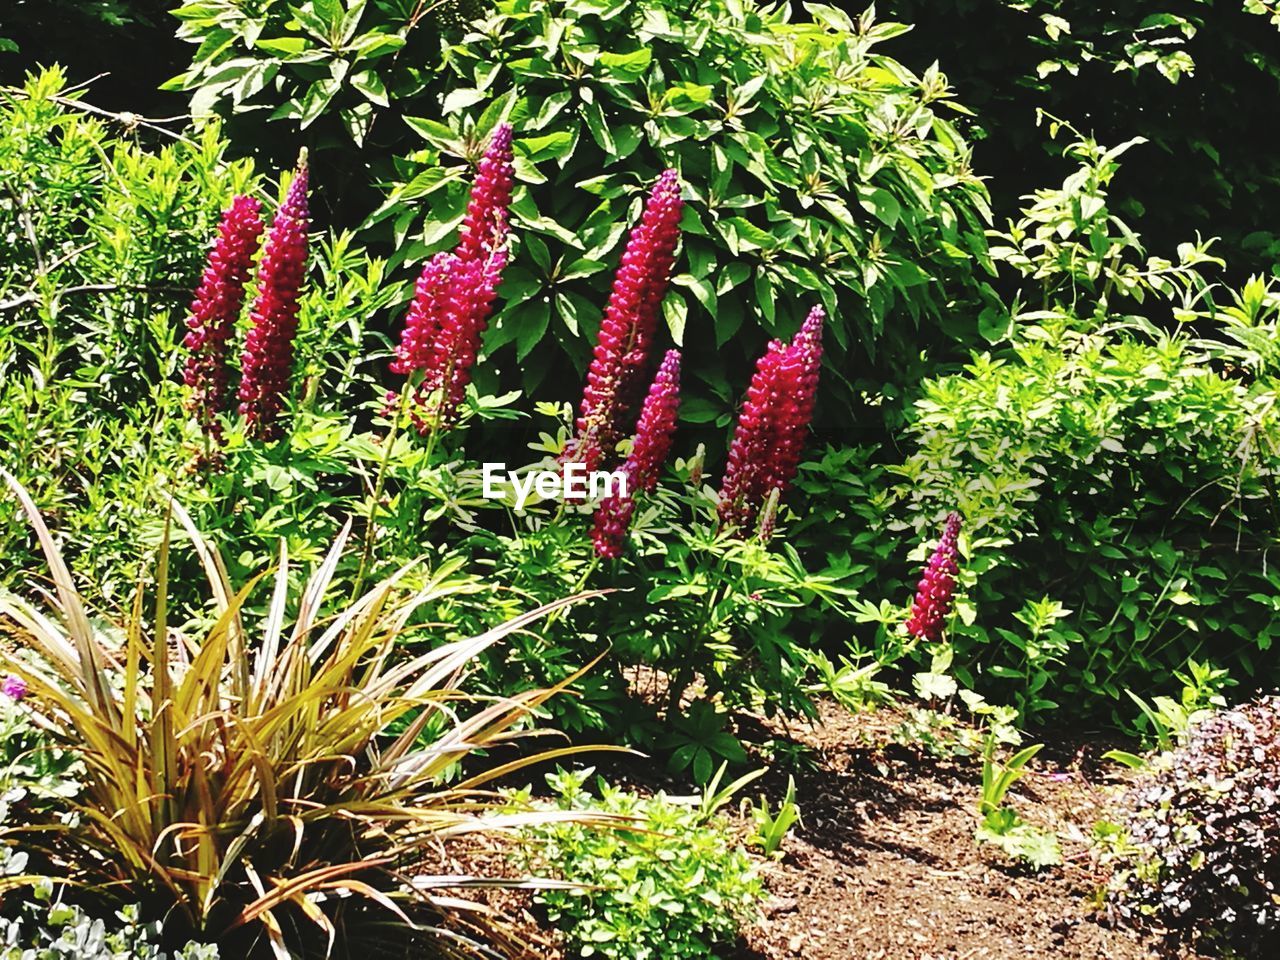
[215,311]
[769,438]
[454,296]
[621,362]
[265,790]
[643,465]
[267,361]
[935,592]
[1203,824]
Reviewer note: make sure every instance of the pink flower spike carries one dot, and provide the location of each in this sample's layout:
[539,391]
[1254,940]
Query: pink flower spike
[933,600]
[215,310]
[267,362]
[769,439]
[484,227]
[621,361]
[643,466]
[455,295]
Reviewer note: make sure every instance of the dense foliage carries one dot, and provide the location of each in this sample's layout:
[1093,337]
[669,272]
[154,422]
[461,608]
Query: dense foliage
[247,786]
[1202,826]
[344,340]
[1124,481]
[47,929]
[819,169]
[1116,481]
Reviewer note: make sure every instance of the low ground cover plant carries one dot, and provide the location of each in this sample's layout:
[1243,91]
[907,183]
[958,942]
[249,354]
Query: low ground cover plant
[1199,859]
[670,881]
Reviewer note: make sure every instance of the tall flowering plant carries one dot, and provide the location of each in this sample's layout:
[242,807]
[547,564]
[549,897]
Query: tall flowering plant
[454,295]
[215,311]
[769,438]
[643,465]
[935,592]
[267,362]
[621,361]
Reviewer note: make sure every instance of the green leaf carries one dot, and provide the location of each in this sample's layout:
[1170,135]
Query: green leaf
[458,100]
[676,312]
[881,204]
[627,66]
[551,146]
[370,84]
[533,321]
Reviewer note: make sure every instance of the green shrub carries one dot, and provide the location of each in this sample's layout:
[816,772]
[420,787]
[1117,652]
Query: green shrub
[1115,481]
[1203,846]
[672,883]
[1123,478]
[340,62]
[108,239]
[105,238]
[819,169]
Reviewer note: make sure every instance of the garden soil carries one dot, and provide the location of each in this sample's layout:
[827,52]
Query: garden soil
[885,867]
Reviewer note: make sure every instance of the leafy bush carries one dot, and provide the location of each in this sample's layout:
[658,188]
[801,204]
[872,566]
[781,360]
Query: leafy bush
[104,240]
[1115,481]
[109,236]
[819,167]
[319,60]
[242,785]
[1202,822]
[669,884]
[1124,480]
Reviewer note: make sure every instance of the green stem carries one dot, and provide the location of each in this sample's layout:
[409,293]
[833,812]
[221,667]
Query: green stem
[379,485]
[582,582]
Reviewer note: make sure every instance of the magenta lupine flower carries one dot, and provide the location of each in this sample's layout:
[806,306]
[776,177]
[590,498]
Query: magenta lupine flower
[799,375]
[769,439]
[267,362]
[215,310]
[484,227]
[745,482]
[442,333]
[643,466]
[475,286]
[15,688]
[657,424]
[422,323]
[621,359]
[455,294]
[934,594]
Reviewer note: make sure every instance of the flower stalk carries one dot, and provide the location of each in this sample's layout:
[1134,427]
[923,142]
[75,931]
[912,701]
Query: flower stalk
[215,310]
[454,296]
[643,465]
[769,438]
[620,363]
[267,361]
[935,592]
